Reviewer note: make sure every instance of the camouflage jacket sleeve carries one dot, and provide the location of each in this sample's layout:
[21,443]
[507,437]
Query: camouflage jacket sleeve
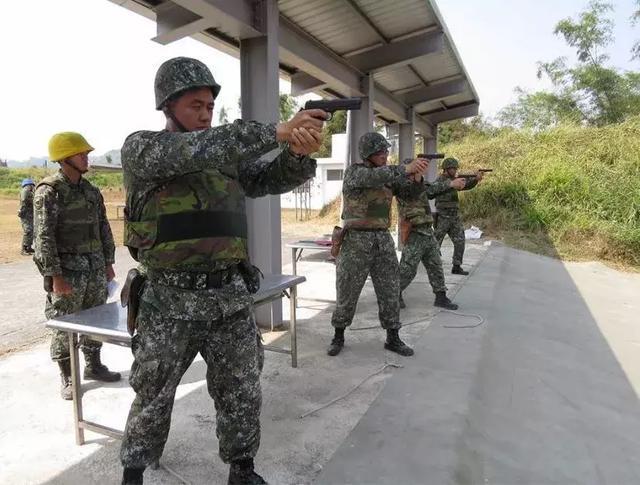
[26,202]
[106,236]
[470,183]
[45,222]
[277,176]
[359,176]
[437,187]
[157,156]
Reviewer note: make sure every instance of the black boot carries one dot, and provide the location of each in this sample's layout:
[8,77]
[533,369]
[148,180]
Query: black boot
[241,473]
[27,251]
[394,344]
[443,302]
[457,269]
[132,476]
[65,379]
[402,303]
[337,343]
[96,370]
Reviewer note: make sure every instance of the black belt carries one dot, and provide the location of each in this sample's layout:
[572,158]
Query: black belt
[191,280]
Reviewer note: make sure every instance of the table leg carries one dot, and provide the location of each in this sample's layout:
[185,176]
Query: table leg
[76,391]
[294,262]
[293,302]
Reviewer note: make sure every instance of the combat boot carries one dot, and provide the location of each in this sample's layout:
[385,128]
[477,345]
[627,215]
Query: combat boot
[443,302]
[132,476]
[394,344]
[457,269]
[241,473]
[27,251]
[337,343]
[96,370]
[403,305]
[65,379]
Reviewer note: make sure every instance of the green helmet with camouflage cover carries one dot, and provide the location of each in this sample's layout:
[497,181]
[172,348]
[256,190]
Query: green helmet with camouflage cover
[449,163]
[180,74]
[371,143]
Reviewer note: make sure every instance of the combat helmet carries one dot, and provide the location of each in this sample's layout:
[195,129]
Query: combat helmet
[449,163]
[67,144]
[371,143]
[180,74]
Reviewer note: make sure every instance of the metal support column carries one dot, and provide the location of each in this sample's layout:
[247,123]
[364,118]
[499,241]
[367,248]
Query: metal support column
[431,146]
[406,139]
[259,64]
[361,121]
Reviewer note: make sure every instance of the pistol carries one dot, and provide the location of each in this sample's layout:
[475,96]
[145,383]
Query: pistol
[333,105]
[430,156]
[472,175]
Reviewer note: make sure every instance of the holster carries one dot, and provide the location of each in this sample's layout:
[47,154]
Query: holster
[47,283]
[130,297]
[405,230]
[435,219]
[337,236]
[251,275]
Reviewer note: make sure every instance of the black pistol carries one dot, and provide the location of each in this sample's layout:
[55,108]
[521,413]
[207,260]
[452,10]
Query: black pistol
[430,156]
[333,105]
[472,175]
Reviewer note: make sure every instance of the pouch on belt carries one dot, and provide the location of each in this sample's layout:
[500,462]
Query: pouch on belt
[130,297]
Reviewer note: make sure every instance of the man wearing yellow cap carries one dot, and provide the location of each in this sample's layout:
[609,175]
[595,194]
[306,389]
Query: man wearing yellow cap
[74,250]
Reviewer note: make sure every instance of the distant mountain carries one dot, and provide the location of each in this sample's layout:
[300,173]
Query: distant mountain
[110,158]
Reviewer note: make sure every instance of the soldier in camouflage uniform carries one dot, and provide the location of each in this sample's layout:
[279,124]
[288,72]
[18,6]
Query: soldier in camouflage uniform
[368,248]
[421,244]
[449,222]
[74,250]
[25,213]
[186,225]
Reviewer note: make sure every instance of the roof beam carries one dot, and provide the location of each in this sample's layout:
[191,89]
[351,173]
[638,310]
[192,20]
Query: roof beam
[433,92]
[398,53]
[388,105]
[358,11]
[303,83]
[174,22]
[423,127]
[453,113]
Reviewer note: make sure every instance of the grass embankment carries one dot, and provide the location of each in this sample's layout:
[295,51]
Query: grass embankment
[10,178]
[571,192]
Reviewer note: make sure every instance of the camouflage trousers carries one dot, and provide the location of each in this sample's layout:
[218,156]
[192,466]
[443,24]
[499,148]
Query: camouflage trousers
[89,290]
[451,225]
[422,246]
[163,349]
[366,253]
[27,232]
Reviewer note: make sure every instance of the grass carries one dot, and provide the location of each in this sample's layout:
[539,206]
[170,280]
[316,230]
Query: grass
[10,178]
[572,192]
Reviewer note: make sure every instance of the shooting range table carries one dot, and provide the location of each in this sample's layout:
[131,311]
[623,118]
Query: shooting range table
[299,246]
[108,323]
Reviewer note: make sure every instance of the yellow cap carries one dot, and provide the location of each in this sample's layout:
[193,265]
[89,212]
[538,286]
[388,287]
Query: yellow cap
[67,144]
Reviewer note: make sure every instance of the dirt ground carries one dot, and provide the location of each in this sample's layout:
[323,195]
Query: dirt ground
[11,231]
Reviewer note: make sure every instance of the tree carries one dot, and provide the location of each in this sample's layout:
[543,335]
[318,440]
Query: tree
[109,159]
[223,116]
[587,92]
[337,124]
[287,106]
[635,18]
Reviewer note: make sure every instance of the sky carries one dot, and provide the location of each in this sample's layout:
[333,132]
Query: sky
[89,65]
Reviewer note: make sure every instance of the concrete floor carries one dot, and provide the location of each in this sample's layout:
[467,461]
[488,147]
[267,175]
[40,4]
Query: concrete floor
[36,436]
[544,392]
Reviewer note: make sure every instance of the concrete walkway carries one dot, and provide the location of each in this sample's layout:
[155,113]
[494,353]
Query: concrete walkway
[544,392]
[36,437]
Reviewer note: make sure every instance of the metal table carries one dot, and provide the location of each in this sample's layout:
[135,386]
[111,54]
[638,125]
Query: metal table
[299,246]
[108,323]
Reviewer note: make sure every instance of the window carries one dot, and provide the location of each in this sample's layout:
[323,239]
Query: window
[334,174]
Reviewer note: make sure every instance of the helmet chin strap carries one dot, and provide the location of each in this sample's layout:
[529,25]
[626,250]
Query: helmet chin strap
[167,111]
[81,172]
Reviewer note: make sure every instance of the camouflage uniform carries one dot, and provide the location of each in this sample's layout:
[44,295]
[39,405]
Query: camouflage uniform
[422,244]
[178,177]
[449,222]
[72,239]
[368,248]
[25,214]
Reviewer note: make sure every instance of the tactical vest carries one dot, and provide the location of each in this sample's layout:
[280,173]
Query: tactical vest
[416,211]
[78,227]
[447,201]
[369,209]
[188,223]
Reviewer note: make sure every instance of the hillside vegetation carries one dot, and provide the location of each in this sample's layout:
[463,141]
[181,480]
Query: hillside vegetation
[571,191]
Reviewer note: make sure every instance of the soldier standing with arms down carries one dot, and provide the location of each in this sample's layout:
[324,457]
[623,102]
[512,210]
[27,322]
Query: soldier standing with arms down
[367,190]
[186,225]
[449,222]
[74,250]
[421,244]
[25,213]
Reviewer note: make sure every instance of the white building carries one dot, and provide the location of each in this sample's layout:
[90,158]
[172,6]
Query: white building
[326,185]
